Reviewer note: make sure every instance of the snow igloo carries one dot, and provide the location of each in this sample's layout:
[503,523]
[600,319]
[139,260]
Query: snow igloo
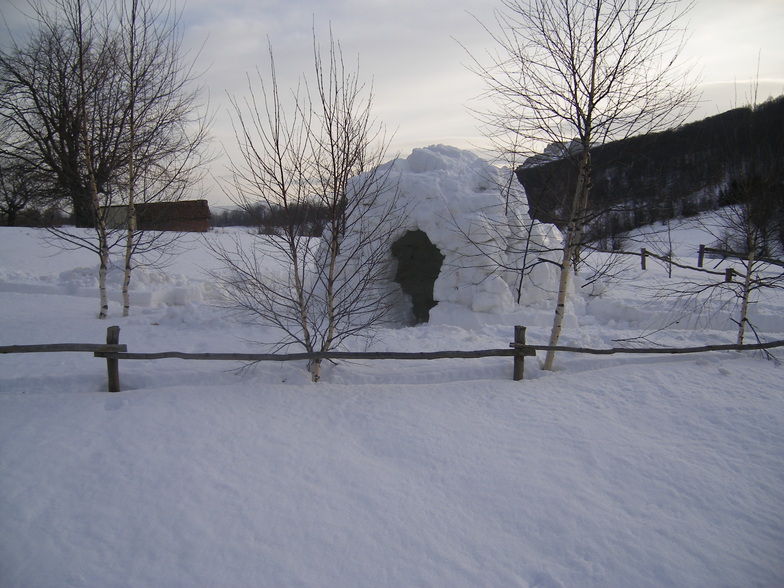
[464,238]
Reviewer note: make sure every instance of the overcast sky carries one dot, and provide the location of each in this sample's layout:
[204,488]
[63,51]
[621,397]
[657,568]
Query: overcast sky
[411,51]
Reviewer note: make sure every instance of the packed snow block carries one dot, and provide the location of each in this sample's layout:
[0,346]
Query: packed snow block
[492,295]
[183,295]
[140,299]
[475,230]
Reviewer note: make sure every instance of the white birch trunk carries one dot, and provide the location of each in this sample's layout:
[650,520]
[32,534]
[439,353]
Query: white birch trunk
[560,305]
[102,283]
[131,226]
[126,296]
[101,233]
[571,248]
[315,370]
[744,307]
[98,213]
[131,171]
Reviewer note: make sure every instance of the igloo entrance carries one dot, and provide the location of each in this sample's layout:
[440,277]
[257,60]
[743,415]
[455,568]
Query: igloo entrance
[418,265]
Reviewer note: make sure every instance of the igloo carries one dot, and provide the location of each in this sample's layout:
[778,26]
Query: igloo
[464,238]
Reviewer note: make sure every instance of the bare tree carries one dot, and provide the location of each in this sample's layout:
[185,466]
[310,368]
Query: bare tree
[19,188]
[166,134]
[100,104]
[322,153]
[62,72]
[750,267]
[578,73]
[747,230]
[64,102]
[86,32]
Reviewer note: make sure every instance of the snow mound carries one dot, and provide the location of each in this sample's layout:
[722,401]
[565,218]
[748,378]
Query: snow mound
[476,214]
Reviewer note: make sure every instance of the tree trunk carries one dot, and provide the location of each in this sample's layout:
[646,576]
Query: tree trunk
[570,250]
[102,270]
[126,296]
[744,307]
[131,171]
[100,228]
[98,217]
[563,285]
[314,367]
[82,205]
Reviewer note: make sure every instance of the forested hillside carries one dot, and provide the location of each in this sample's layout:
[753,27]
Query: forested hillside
[679,172]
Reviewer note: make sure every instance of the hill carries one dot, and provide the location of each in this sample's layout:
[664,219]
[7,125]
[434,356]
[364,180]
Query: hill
[660,176]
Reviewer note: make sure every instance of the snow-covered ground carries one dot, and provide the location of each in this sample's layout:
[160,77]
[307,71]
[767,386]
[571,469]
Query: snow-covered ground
[611,471]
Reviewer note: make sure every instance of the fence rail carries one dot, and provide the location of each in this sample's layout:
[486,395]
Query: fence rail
[317,355]
[661,350]
[113,352]
[61,347]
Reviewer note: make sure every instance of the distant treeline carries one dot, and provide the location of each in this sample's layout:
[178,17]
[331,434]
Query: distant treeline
[310,217]
[675,173]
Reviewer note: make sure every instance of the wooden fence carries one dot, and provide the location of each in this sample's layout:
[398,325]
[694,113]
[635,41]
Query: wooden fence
[727,274]
[112,351]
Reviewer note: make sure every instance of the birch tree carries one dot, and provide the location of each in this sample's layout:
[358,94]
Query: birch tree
[748,229]
[317,149]
[579,73]
[752,225]
[86,32]
[166,131]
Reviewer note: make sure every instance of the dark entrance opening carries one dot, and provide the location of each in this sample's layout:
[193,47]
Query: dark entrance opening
[418,265]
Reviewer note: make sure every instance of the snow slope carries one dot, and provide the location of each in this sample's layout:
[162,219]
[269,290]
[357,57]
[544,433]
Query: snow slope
[611,471]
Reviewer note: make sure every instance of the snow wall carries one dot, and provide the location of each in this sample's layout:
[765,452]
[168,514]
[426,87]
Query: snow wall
[460,202]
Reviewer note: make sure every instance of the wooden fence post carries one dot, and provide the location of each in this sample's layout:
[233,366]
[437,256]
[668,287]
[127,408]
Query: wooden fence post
[113,365]
[643,256]
[519,356]
[701,256]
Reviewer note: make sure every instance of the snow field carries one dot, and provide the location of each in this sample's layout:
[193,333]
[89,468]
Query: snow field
[611,471]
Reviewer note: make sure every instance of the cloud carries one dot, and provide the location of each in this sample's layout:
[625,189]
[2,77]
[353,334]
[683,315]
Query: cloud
[411,51]
[406,49]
